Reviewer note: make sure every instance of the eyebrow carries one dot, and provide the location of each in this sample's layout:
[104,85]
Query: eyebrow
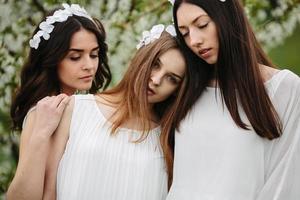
[194,21]
[81,50]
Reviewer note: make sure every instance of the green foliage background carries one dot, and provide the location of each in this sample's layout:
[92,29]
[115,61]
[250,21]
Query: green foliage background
[276,23]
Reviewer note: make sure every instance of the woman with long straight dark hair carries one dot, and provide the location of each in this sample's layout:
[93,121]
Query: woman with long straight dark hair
[240,134]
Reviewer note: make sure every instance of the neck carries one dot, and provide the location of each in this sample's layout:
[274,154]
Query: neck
[153,116]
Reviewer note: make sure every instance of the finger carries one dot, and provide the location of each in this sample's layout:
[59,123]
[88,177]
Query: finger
[56,100]
[61,107]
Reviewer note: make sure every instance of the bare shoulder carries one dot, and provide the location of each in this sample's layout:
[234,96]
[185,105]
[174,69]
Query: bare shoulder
[27,131]
[103,99]
[267,72]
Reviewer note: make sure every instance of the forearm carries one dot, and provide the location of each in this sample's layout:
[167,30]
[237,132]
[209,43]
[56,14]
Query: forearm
[28,183]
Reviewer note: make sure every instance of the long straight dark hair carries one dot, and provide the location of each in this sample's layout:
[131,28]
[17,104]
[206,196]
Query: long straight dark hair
[39,76]
[237,72]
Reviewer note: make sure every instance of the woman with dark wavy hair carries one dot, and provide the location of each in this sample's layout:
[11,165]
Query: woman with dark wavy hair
[68,53]
[74,57]
[239,137]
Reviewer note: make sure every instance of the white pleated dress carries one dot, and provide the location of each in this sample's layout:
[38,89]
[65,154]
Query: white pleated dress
[98,166]
[216,160]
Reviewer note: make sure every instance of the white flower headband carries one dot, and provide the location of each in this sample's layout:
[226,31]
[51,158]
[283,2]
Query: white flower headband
[173,1]
[154,34]
[61,15]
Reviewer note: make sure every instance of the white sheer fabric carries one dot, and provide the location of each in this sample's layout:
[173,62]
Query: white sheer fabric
[216,160]
[98,166]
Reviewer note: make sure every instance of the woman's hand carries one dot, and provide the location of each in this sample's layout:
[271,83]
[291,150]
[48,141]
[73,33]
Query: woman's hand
[49,111]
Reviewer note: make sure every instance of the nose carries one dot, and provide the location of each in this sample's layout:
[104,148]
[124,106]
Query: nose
[156,78]
[88,63]
[196,39]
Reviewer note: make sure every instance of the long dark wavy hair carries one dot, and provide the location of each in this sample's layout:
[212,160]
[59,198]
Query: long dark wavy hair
[39,76]
[236,71]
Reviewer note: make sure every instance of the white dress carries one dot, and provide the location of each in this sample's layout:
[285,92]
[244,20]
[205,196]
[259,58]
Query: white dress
[216,160]
[98,166]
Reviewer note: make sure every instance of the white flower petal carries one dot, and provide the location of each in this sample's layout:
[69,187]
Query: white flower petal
[75,7]
[34,43]
[46,27]
[146,34]
[158,29]
[38,34]
[147,40]
[171,30]
[50,20]
[172,2]
[66,6]
[46,36]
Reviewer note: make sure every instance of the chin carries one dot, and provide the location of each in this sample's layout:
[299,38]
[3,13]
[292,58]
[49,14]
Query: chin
[211,61]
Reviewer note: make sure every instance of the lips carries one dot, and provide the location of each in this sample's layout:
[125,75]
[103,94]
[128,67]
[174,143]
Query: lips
[205,53]
[87,78]
[150,91]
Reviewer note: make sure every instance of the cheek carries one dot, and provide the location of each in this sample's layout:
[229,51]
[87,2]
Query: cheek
[170,90]
[68,70]
[187,42]
[62,72]
[214,36]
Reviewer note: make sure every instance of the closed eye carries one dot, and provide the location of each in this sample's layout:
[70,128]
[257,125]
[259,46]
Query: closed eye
[203,26]
[73,58]
[94,55]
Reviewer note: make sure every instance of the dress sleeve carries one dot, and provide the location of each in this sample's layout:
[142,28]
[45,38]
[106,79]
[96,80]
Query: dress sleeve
[282,155]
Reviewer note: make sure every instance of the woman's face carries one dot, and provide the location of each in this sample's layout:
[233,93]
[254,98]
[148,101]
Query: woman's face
[77,69]
[198,31]
[166,76]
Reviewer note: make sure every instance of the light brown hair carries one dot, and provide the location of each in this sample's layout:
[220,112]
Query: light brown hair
[133,87]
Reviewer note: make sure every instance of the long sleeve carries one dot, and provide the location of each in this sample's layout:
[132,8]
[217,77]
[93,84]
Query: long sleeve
[282,155]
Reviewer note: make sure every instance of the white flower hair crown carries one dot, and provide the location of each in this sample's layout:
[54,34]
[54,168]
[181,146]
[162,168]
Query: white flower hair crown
[61,15]
[155,33]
